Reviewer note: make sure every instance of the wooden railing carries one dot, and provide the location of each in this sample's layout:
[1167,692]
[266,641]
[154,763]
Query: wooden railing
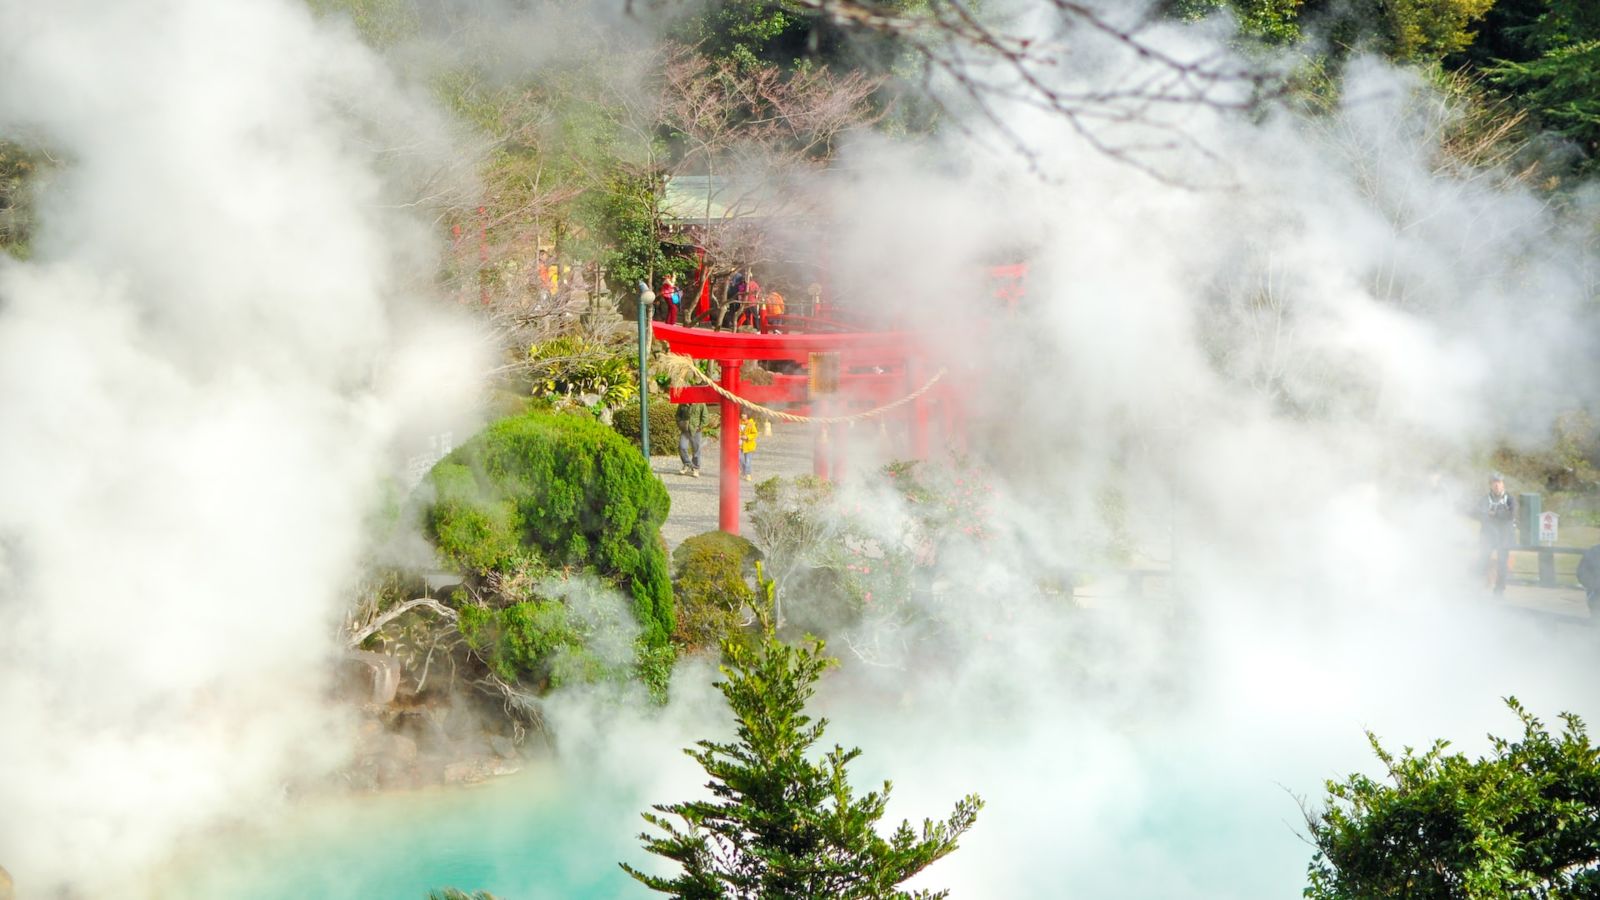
[1547,561]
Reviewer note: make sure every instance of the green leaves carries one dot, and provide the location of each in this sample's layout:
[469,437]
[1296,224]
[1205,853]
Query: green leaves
[1561,86]
[711,573]
[565,491]
[779,823]
[1419,30]
[1522,822]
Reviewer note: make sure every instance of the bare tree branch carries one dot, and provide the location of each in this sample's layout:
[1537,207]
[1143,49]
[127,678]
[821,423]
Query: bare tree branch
[373,626]
[994,65]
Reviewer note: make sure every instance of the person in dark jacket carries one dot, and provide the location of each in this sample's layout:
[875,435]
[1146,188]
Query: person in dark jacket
[728,313]
[691,419]
[1497,534]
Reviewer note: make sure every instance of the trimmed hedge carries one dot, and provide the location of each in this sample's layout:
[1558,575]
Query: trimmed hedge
[712,577]
[565,490]
[663,425]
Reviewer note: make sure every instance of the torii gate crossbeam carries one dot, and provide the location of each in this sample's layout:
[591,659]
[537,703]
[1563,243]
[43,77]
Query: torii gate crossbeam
[893,351]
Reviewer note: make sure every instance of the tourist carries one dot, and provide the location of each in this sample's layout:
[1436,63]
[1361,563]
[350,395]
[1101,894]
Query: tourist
[671,299]
[747,443]
[549,274]
[727,315]
[749,301]
[691,419]
[541,281]
[773,307]
[1497,514]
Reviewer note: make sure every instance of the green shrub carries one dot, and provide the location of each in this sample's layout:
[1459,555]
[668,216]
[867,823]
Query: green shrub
[504,404]
[565,490]
[571,364]
[712,582]
[1522,821]
[475,531]
[534,641]
[663,425]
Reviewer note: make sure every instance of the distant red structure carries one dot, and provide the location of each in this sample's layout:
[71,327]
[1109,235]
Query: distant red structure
[874,370]
[1010,284]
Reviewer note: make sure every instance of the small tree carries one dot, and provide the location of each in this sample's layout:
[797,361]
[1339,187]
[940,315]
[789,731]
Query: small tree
[1523,822]
[711,585]
[779,824]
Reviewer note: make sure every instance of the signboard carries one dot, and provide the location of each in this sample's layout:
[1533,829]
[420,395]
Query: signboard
[1548,523]
[823,369]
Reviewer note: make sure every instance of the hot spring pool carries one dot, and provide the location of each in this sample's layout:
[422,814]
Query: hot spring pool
[525,836]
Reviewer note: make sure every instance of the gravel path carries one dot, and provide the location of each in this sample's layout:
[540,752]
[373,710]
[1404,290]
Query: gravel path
[786,452]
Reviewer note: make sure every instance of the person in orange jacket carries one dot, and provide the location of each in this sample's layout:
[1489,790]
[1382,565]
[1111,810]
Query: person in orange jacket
[773,306]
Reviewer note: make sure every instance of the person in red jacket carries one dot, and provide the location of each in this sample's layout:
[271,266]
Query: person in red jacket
[749,300]
[671,297]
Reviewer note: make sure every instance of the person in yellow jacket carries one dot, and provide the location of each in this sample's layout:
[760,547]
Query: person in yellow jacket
[747,443]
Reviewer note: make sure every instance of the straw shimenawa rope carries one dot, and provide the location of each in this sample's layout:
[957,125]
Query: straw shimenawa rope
[679,368]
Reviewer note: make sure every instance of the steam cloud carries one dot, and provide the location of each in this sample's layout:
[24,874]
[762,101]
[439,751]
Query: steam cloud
[203,367]
[1265,367]
[1283,367]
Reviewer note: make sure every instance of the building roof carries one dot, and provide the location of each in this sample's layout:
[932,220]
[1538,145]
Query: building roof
[683,200]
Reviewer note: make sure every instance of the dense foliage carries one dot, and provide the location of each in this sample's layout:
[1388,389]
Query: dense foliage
[782,825]
[529,641]
[1542,57]
[572,365]
[1568,463]
[566,491]
[1549,61]
[713,576]
[626,217]
[1522,822]
[19,166]
[663,425]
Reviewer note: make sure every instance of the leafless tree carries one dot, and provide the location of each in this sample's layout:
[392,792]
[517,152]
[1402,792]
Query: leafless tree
[991,64]
[760,136]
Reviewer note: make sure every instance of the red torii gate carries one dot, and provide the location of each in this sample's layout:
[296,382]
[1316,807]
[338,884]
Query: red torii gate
[894,358]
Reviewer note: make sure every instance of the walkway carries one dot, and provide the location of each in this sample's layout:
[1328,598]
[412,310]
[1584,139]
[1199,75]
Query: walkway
[1566,602]
[786,452]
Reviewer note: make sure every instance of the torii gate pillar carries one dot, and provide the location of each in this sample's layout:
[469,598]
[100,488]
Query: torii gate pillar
[728,446]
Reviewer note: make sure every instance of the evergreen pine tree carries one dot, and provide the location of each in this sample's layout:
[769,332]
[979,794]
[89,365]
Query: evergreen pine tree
[780,824]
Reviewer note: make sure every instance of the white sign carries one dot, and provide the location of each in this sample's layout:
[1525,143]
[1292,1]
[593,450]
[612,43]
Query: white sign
[1548,523]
